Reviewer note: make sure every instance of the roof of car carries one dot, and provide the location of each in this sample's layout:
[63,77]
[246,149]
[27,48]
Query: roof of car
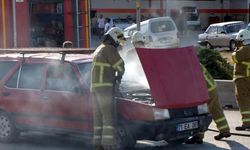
[226,23]
[48,54]
[149,20]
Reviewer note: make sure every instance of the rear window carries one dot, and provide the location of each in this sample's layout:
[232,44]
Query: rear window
[5,66]
[234,28]
[162,26]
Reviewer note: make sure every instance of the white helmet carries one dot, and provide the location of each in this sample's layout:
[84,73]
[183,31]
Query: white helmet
[138,37]
[116,34]
[244,36]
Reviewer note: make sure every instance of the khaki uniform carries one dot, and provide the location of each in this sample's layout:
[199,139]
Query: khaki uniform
[106,63]
[214,105]
[241,58]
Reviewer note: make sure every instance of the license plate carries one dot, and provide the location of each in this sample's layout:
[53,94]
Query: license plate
[187,126]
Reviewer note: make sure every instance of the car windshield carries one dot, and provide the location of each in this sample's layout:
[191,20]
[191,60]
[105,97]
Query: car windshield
[192,17]
[161,26]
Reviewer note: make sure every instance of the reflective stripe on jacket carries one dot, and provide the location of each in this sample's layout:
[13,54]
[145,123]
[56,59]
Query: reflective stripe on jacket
[241,58]
[106,63]
[209,79]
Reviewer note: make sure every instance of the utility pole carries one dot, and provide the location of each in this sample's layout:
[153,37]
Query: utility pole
[138,15]
[14,23]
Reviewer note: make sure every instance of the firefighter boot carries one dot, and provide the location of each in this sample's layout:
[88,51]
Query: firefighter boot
[222,135]
[194,140]
[243,128]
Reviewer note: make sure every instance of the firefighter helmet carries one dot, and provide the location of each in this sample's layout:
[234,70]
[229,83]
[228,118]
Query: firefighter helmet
[67,44]
[116,34]
[243,36]
[138,37]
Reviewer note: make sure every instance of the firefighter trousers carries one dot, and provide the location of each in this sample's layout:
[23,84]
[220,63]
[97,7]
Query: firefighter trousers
[103,109]
[216,110]
[242,91]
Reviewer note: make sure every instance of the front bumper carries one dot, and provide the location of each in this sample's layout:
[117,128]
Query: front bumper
[167,129]
[202,43]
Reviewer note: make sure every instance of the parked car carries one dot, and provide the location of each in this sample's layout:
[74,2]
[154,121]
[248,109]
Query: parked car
[221,34]
[161,32]
[192,17]
[51,93]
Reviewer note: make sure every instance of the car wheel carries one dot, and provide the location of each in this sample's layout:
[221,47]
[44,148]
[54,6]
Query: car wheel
[232,45]
[208,45]
[125,140]
[8,131]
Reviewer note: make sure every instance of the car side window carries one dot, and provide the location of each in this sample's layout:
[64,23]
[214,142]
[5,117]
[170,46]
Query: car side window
[61,77]
[5,66]
[220,30]
[212,30]
[28,76]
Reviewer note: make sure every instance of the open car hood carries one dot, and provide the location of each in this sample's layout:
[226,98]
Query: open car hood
[175,76]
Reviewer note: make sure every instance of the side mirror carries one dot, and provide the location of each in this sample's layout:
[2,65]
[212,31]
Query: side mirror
[223,32]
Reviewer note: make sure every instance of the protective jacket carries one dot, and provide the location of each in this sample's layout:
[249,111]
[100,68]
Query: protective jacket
[106,63]
[242,59]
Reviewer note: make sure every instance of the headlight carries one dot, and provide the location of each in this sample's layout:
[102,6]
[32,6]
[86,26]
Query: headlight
[161,114]
[202,109]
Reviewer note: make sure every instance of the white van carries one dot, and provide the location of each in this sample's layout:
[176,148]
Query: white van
[161,32]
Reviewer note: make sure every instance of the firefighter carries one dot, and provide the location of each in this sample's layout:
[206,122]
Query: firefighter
[241,58]
[67,44]
[215,109]
[107,67]
[138,39]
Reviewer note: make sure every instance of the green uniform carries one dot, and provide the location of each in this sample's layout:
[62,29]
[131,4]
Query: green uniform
[106,63]
[241,58]
[214,105]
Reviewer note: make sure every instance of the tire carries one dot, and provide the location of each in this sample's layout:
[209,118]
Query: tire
[232,45]
[208,45]
[8,131]
[125,141]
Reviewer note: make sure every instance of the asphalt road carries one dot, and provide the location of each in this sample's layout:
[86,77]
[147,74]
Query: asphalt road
[38,141]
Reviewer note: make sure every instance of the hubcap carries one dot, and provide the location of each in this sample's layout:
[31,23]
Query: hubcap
[5,127]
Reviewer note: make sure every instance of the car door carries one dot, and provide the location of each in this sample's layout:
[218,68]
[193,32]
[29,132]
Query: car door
[222,38]
[68,103]
[211,34]
[22,94]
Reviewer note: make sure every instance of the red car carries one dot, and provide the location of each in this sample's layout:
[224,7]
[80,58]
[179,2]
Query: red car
[50,93]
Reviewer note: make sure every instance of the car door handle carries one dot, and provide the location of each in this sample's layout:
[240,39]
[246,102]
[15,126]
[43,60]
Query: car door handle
[6,93]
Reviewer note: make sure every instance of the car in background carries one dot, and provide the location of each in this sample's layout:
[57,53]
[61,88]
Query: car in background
[192,17]
[221,34]
[161,32]
[120,22]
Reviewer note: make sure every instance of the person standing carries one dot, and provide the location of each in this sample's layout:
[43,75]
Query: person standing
[215,109]
[241,58]
[101,25]
[107,25]
[107,68]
